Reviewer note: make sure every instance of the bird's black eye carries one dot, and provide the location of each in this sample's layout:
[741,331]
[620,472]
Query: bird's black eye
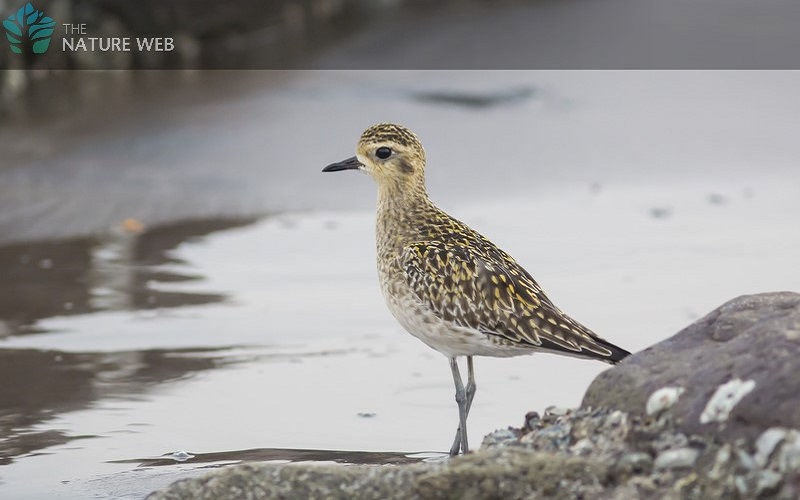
[383,153]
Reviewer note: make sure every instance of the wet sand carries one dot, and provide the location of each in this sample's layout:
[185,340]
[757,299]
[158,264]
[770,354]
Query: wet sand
[639,201]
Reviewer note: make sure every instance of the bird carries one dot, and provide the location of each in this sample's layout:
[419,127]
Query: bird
[447,284]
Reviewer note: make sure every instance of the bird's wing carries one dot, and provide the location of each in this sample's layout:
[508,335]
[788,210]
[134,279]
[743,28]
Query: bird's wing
[497,298]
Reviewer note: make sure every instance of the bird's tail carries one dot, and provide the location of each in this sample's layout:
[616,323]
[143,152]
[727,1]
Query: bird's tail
[617,353]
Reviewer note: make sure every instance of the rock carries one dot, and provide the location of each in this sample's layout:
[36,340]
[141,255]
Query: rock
[739,368]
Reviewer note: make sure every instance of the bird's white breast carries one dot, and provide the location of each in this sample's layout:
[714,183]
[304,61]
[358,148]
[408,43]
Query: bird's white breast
[444,336]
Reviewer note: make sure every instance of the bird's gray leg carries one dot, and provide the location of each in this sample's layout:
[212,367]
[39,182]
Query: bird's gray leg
[470,394]
[471,387]
[461,399]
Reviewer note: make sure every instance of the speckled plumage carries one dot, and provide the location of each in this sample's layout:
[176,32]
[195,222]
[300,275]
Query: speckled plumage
[447,284]
[440,270]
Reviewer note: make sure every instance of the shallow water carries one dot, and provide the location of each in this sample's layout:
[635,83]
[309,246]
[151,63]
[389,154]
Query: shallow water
[142,355]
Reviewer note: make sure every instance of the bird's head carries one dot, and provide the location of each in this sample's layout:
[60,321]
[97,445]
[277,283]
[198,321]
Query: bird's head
[391,154]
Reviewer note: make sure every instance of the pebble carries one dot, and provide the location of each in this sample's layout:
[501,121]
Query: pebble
[181,456]
[556,410]
[663,399]
[741,485]
[677,458]
[789,456]
[635,463]
[532,420]
[500,437]
[721,460]
[768,482]
[617,418]
[766,443]
[746,460]
[724,399]
[582,447]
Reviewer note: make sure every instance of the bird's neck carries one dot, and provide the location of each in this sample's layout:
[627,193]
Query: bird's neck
[402,198]
[400,212]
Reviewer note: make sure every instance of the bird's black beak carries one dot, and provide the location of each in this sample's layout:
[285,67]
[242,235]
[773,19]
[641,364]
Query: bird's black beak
[348,164]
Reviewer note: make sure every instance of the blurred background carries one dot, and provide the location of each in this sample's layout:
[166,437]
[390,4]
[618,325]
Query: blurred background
[182,288]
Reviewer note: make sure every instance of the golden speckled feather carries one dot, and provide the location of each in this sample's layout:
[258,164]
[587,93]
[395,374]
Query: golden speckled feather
[467,280]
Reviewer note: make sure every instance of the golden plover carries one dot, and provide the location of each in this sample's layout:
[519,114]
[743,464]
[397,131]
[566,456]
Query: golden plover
[448,285]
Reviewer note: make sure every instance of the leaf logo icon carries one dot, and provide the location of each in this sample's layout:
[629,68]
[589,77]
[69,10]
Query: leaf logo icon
[29,30]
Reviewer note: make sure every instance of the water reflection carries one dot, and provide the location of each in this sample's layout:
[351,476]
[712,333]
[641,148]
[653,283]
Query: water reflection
[47,383]
[119,271]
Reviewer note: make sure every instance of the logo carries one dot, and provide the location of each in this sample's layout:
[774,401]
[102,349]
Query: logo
[29,30]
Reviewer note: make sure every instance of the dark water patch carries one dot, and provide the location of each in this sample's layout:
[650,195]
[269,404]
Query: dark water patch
[41,280]
[125,269]
[717,199]
[477,100]
[49,383]
[152,248]
[660,212]
[115,271]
